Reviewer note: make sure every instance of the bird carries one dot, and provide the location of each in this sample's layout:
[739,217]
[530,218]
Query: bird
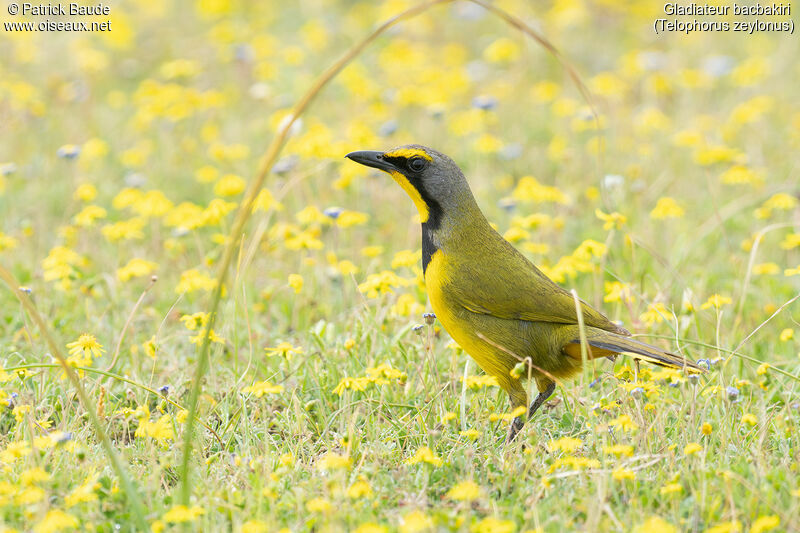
[494,302]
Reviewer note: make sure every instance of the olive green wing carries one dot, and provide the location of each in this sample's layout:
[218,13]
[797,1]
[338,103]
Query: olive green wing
[501,282]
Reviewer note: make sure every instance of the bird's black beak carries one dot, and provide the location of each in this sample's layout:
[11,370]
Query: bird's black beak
[372,158]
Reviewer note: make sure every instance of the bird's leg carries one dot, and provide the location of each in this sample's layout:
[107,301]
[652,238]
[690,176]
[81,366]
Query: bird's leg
[546,388]
[514,428]
[518,398]
[544,394]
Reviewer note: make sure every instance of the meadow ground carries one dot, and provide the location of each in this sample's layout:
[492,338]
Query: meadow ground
[329,403]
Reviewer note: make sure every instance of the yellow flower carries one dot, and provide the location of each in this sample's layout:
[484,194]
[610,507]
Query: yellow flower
[655,524]
[136,268]
[382,283]
[85,348]
[360,489]
[618,292]
[621,474]
[369,527]
[7,242]
[295,281]
[717,154]
[765,523]
[20,411]
[261,388]
[130,229]
[194,321]
[716,301]
[415,522]
[465,491]
[285,350]
[229,185]
[407,305]
[372,251]
[565,444]
[85,192]
[266,201]
[406,258]
[766,269]
[529,189]
[740,174]
[33,476]
[150,347]
[726,527]
[502,50]
[86,217]
[655,314]
[666,207]
[318,505]
[514,234]
[85,492]
[671,488]
[792,240]
[347,219]
[619,450]
[206,174]
[611,220]
[181,513]
[477,382]
[707,428]
[383,372]
[55,520]
[749,419]
[782,201]
[193,280]
[624,423]
[692,448]
[254,526]
[14,451]
[471,433]
[488,144]
[787,334]
[508,417]
[424,455]
[688,138]
[792,271]
[493,525]
[333,461]
[160,430]
[356,384]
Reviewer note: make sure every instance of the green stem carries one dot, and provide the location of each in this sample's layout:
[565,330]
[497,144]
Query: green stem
[129,488]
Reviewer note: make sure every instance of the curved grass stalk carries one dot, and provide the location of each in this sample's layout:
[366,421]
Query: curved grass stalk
[750,263]
[267,162]
[130,490]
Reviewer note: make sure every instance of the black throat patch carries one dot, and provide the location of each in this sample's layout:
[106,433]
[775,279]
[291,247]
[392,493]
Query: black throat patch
[428,248]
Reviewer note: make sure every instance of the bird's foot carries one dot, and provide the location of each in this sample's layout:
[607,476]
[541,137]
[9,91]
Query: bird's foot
[514,428]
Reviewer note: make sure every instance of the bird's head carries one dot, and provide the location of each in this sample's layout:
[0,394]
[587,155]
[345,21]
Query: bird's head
[432,180]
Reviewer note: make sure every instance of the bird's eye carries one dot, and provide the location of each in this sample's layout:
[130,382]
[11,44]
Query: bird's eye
[416,164]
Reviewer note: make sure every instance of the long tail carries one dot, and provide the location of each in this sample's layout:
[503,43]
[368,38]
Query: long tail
[612,343]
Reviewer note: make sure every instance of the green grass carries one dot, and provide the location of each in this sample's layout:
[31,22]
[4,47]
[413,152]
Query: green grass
[302,455]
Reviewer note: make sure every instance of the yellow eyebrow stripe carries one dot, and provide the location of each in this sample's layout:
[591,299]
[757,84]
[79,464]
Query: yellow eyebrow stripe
[408,153]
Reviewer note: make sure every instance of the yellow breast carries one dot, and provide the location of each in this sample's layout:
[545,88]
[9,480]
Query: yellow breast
[458,322]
